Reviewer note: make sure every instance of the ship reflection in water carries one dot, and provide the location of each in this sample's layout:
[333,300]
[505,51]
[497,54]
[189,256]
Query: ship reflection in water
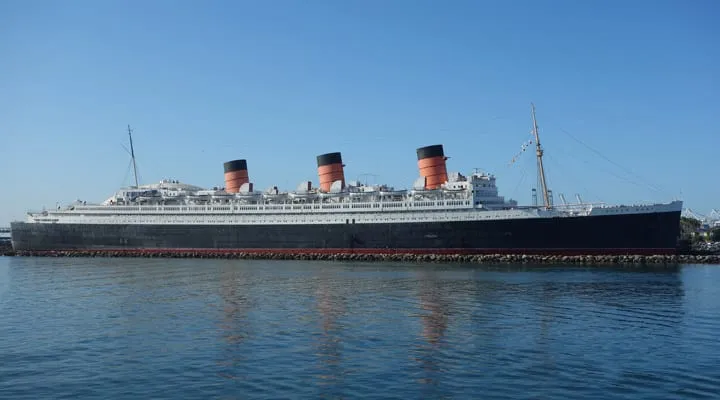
[234,327]
[330,306]
[434,318]
[343,330]
[134,328]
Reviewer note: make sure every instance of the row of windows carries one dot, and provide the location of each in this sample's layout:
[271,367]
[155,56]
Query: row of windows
[282,221]
[280,207]
[213,219]
[623,210]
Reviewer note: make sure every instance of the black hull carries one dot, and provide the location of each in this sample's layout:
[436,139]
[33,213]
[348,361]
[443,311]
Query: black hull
[652,233]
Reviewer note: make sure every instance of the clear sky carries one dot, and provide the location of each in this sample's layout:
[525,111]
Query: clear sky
[626,94]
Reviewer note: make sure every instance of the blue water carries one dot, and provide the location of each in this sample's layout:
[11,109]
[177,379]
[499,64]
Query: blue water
[170,329]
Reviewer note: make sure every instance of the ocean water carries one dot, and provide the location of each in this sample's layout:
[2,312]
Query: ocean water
[224,329]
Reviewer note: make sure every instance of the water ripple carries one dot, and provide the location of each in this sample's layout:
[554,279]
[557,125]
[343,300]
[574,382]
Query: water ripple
[146,328]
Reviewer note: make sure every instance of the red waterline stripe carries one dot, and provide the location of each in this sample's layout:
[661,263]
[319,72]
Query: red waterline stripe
[443,251]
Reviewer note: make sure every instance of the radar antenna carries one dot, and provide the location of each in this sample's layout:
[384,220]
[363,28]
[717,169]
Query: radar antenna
[539,152]
[132,154]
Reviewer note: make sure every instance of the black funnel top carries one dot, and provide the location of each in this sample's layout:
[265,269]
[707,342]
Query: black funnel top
[235,165]
[328,159]
[430,151]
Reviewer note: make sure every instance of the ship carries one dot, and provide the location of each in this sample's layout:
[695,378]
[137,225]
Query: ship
[442,213]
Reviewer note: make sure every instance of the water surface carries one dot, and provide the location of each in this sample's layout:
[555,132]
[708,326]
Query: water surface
[163,328]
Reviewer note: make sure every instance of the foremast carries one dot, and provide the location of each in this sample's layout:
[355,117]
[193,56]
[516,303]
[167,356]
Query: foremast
[132,155]
[539,153]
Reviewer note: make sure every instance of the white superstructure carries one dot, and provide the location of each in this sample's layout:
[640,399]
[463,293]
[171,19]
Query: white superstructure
[460,199]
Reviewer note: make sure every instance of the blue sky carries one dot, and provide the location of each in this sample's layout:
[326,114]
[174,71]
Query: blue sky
[626,94]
